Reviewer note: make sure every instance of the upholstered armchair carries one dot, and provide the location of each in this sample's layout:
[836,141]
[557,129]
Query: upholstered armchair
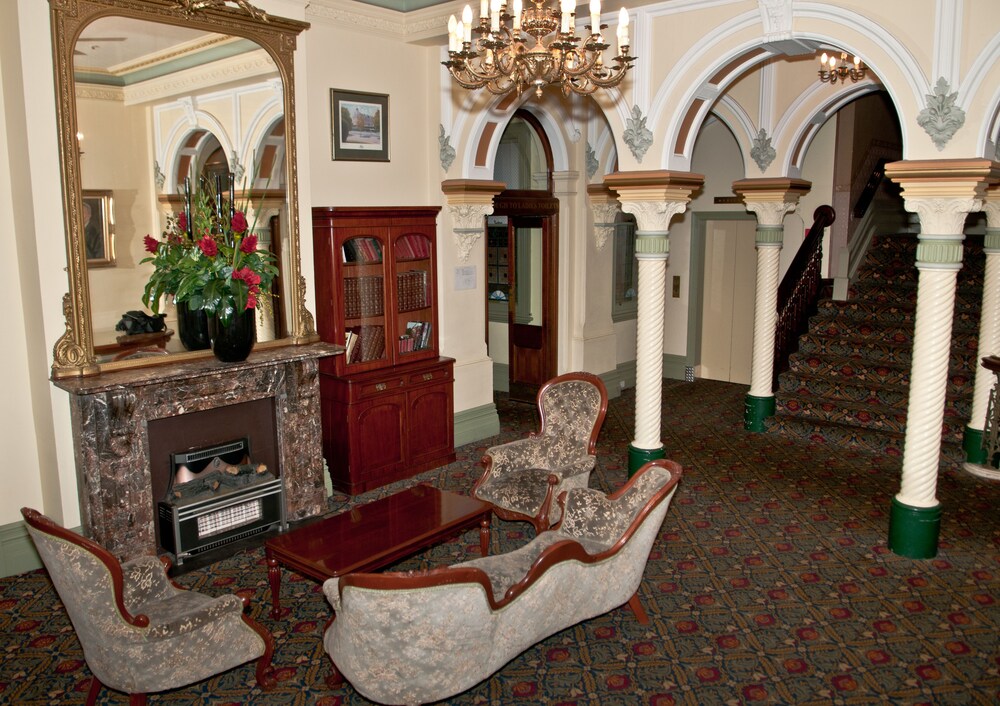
[140,632]
[419,637]
[522,478]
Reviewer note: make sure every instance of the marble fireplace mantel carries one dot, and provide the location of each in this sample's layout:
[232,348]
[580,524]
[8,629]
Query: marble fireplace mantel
[111,413]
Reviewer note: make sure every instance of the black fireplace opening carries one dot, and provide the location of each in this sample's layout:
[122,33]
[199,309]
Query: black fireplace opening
[216,495]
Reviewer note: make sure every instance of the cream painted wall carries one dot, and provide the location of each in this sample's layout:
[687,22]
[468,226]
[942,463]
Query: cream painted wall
[35,427]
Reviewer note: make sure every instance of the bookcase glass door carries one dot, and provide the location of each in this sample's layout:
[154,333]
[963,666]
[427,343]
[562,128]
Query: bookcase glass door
[364,299]
[415,317]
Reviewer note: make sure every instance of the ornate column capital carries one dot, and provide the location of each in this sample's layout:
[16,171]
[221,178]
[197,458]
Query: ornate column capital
[605,208]
[469,202]
[991,205]
[770,199]
[943,191]
[653,197]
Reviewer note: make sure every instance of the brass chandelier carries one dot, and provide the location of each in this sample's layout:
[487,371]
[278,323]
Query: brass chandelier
[534,47]
[830,71]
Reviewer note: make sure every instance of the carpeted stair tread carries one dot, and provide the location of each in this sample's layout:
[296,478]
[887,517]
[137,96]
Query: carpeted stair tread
[880,330]
[966,298]
[857,312]
[889,395]
[871,414]
[856,352]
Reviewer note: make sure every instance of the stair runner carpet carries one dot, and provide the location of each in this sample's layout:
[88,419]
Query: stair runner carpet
[848,382]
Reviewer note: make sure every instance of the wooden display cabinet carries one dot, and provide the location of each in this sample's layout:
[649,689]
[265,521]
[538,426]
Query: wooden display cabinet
[387,403]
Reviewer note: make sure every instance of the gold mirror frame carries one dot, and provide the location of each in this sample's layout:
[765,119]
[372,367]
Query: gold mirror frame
[73,353]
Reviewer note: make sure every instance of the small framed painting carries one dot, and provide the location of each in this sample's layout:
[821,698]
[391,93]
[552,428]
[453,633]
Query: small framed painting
[99,228]
[359,125]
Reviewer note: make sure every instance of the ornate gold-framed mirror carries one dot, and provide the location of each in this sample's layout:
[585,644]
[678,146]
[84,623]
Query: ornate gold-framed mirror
[253,52]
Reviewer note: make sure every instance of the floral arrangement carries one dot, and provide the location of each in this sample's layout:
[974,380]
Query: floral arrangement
[208,257]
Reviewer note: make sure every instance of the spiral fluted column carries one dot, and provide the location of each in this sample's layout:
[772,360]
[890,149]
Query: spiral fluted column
[989,335]
[769,200]
[942,193]
[653,198]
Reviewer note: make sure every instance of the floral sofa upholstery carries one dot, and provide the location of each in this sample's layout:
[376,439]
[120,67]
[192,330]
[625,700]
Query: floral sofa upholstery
[139,631]
[418,637]
[522,478]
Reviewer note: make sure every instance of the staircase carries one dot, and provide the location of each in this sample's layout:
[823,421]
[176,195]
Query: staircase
[848,383]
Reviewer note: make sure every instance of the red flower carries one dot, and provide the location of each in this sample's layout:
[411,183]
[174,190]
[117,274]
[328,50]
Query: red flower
[151,244]
[238,222]
[249,276]
[249,243]
[251,301]
[209,247]
[182,222]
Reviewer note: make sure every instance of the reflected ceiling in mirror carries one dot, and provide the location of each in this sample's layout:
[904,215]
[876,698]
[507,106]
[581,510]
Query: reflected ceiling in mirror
[159,94]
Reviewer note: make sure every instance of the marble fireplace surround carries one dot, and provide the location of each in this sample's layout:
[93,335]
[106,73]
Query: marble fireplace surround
[111,414]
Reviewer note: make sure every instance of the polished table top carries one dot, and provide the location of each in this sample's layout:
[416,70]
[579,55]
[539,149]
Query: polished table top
[372,535]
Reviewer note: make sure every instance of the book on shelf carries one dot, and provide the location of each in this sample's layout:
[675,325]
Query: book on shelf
[350,343]
[362,250]
[363,296]
[411,290]
[417,336]
[412,247]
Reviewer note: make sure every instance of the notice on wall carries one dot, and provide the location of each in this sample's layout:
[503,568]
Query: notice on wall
[465,277]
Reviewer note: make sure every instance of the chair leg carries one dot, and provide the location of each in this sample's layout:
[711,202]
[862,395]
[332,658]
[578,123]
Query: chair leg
[636,605]
[264,670]
[95,689]
[136,700]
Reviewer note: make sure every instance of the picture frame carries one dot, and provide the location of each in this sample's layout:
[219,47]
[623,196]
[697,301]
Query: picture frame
[359,126]
[99,227]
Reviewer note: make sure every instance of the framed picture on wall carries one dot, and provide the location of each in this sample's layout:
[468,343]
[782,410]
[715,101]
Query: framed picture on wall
[359,125]
[99,228]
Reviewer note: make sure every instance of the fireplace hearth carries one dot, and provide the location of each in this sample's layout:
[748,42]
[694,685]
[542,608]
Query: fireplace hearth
[112,414]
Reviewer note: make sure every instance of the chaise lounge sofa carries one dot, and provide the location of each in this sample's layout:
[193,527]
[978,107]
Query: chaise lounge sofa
[418,637]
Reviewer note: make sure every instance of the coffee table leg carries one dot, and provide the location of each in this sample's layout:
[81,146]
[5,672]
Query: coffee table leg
[274,578]
[484,536]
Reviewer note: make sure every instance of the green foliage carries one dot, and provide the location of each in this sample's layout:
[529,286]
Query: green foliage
[214,265]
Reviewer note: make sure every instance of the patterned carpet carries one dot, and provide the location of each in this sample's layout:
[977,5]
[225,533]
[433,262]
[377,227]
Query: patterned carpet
[771,583]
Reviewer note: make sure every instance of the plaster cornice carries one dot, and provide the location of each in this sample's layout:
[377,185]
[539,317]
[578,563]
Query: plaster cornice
[419,25]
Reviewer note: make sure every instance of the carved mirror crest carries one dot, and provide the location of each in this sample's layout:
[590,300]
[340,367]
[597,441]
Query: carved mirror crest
[151,91]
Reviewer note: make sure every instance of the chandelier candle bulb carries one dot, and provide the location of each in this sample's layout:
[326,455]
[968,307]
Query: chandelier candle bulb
[495,16]
[484,9]
[518,6]
[467,24]
[622,30]
[595,16]
[567,8]
[452,24]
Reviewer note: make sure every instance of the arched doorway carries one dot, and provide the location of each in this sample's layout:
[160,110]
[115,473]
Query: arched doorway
[522,261]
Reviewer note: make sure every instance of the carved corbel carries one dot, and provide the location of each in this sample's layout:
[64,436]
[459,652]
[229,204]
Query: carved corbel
[468,225]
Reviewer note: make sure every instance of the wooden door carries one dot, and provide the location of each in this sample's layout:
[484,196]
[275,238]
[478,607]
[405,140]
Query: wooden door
[531,313]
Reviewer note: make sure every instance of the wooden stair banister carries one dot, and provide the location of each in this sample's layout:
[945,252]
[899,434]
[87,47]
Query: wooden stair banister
[799,290]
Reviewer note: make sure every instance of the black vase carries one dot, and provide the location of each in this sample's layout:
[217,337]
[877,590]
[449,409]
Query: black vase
[234,342]
[192,328]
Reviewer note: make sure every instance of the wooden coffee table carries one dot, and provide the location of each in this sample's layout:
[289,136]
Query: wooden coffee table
[375,535]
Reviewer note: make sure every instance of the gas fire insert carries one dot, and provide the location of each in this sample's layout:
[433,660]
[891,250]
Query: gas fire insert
[218,495]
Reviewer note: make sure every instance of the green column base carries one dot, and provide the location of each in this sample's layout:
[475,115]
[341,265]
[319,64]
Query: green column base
[913,531]
[972,443]
[756,410]
[637,458]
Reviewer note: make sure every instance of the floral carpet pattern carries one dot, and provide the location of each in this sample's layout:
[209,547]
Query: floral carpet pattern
[771,583]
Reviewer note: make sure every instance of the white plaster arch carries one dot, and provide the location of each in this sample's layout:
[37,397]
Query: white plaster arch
[178,134]
[888,57]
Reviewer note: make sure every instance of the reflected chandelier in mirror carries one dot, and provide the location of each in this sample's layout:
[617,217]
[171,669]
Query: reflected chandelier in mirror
[274,187]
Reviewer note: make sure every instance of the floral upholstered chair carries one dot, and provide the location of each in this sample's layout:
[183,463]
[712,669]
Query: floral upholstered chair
[522,478]
[139,631]
[419,637]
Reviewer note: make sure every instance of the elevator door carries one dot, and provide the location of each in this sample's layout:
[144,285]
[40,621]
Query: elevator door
[728,300]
